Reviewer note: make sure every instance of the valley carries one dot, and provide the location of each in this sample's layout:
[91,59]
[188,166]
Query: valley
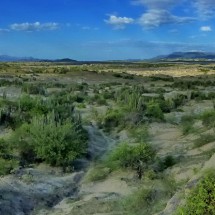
[106,139]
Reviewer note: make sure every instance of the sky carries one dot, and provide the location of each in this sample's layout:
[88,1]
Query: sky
[105,29]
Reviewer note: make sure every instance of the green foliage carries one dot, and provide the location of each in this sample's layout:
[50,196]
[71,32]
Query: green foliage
[57,143]
[27,103]
[187,122]
[201,200]
[198,95]
[6,165]
[34,89]
[149,199]
[162,77]
[5,148]
[140,133]
[208,119]
[7,161]
[99,99]
[113,118]
[139,201]
[153,110]
[166,105]
[165,163]
[98,173]
[179,100]
[131,156]
[131,98]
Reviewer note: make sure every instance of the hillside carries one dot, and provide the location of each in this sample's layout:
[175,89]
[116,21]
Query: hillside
[189,56]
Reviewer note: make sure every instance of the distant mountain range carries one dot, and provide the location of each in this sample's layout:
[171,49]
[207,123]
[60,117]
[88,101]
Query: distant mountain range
[192,55]
[175,56]
[7,58]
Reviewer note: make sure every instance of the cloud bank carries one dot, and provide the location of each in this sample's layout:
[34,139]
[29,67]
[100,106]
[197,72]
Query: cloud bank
[160,12]
[37,26]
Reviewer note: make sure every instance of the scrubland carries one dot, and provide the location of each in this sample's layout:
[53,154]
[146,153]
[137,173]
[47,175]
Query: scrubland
[107,139]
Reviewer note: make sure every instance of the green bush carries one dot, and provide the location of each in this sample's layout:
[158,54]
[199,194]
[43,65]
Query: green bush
[56,143]
[140,133]
[201,200]
[6,165]
[131,156]
[97,173]
[179,100]
[208,119]
[113,118]
[187,122]
[131,98]
[166,162]
[153,110]
[141,200]
[34,89]
[7,161]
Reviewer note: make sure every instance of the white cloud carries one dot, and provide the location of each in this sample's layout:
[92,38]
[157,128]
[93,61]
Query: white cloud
[158,13]
[155,18]
[205,8]
[37,26]
[119,22]
[206,28]
[162,12]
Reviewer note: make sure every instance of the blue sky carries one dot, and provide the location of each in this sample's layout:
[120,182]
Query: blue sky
[105,29]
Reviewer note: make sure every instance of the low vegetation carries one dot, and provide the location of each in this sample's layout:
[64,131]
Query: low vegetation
[45,118]
[201,199]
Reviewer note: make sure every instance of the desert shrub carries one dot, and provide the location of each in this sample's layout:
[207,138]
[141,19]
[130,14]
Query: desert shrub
[100,100]
[204,139]
[187,124]
[7,160]
[140,133]
[64,70]
[166,105]
[165,163]
[98,173]
[184,84]
[123,75]
[153,110]
[131,98]
[211,95]
[34,89]
[201,199]
[107,95]
[57,143]
[33,105]
[27,103]
[5,149]
[208,119]
[162,78]
[198,95]
[113,118]
[179,100]
[117,75]
[139,201]
[128,76]
[7,165]
[131,156]
[149,199]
